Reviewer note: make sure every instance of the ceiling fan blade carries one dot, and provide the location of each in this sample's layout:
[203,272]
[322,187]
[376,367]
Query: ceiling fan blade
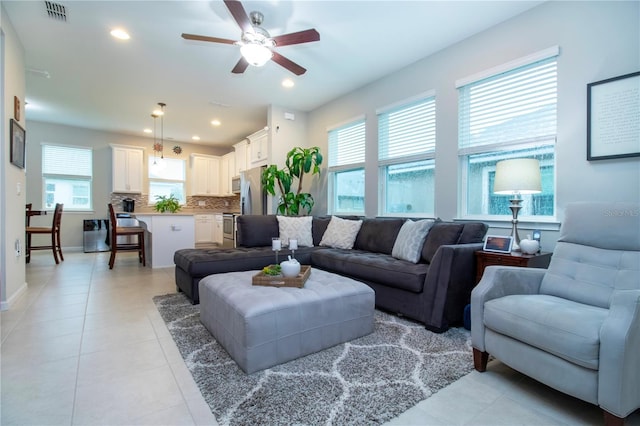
[206,38]
[288,64]
[239,14]
[297,38]
[241,66]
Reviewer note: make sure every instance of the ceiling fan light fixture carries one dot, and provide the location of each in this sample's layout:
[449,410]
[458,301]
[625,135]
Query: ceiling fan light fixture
[256,54]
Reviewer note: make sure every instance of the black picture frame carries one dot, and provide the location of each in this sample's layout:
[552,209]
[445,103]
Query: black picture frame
[613,118]
[18,141]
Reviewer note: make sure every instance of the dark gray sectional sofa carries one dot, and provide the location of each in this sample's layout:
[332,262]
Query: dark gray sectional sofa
[433,291]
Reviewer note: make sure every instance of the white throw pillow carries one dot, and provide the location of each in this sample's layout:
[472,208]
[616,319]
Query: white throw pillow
[296,227]
[341,233]
[410,239]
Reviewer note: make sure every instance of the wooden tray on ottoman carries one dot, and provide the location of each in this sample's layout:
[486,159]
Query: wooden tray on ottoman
[279,281]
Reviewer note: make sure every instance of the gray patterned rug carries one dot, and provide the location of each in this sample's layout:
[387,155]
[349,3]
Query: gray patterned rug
[367,381]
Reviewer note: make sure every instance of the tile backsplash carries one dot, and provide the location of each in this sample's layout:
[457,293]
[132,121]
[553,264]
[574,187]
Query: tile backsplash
[219,204]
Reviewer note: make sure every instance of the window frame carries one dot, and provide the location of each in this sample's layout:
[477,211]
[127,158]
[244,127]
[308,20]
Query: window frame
[151,199]
[333,170]
[385,162]
[48,176]
[503,149]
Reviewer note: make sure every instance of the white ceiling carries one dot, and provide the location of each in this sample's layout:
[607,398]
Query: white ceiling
[98,82]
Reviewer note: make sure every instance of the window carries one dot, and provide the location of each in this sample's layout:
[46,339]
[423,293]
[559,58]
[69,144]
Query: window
[510,114]
[61,183]
[346,168]
[166,177]
[406,150]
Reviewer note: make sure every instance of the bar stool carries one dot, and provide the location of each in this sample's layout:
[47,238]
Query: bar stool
[118,231]
[53,230]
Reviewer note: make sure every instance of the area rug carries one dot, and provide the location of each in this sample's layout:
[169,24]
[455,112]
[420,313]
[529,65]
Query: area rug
[366,381]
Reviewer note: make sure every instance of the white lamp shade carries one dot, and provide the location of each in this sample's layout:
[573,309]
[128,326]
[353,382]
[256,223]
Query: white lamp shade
[256,54]
[518,176]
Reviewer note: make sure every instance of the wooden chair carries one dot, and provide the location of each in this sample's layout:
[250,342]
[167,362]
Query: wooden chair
[53,230]
[119,231]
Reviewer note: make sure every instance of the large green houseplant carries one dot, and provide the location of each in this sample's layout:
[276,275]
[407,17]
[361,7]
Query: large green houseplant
[299,162]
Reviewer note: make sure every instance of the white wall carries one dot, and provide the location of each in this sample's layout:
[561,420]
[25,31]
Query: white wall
[597,40]
[71,227]
[12,220]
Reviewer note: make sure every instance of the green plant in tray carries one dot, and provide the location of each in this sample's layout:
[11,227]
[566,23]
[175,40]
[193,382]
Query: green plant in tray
[272,270]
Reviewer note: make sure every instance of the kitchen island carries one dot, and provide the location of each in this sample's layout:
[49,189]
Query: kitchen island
[166,233]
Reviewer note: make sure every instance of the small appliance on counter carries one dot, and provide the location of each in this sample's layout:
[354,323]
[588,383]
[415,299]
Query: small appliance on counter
[128,205]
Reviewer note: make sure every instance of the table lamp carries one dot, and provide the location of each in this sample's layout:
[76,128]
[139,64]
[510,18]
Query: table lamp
[517,177]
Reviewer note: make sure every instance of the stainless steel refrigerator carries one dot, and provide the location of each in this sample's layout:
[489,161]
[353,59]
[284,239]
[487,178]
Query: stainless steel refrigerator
[253,197]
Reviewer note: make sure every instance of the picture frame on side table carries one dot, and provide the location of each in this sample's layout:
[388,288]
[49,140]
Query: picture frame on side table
[498,244]
[17,149]
[613,117]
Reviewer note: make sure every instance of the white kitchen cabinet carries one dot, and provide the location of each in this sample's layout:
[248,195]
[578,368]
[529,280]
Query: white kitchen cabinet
[259,148]
[217,229]
[204,228]
[205,175]
[227,167]
[127,167]
[166,233]
[241,150]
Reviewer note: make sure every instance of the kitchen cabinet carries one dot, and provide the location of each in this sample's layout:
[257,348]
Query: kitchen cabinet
[166,233]
[217,228]
[227,166]
[204,228]
[127,167]
[205,172]
[259,148]
[240,161]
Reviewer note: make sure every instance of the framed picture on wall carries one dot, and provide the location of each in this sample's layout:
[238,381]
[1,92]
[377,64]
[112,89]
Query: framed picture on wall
[613,118]
[17,144]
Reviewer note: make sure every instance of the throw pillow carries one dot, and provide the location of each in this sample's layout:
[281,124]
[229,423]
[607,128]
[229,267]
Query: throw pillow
[410,239]
[341,233]
[296,227]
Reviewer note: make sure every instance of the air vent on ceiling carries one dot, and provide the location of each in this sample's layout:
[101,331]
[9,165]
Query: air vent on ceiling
[56,11]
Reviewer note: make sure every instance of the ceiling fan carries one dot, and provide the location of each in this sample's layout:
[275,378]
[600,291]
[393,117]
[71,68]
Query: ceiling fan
[256,45]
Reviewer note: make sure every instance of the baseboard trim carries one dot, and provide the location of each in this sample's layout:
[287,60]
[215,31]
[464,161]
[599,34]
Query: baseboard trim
[5,305]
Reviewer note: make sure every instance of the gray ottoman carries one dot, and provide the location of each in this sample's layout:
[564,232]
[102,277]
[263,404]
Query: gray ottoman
[265,326]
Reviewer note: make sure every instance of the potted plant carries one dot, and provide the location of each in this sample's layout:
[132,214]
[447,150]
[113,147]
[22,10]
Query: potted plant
[167,203]
[300,161]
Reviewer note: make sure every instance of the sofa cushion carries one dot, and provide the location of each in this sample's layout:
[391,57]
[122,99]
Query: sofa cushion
[318,228]
[378,235]
[441,233]
[256,230]
[410,240]
[473,232]
[202,262]
[374,267]
[341,233]
[561,327]
[295,227]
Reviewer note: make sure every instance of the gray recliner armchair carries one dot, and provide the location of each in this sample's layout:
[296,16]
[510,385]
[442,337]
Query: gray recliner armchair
[576,325]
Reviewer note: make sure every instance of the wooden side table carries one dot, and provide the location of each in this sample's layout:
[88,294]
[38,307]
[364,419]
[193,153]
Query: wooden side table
[515,258]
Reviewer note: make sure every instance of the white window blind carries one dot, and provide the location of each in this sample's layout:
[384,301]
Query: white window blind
[66,161]
[347,144]
[408,130]
[517,106]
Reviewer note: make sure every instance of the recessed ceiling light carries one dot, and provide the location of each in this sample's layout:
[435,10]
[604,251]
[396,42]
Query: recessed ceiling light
[147,130]
[287,82]
[120,34]
[195,137]
[215,122]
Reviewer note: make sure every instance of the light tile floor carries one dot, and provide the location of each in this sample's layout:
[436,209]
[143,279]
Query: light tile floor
[86,346]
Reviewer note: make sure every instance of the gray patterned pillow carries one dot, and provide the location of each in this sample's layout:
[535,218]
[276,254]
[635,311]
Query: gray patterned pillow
[410,240]
[341,233]
[296,227]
